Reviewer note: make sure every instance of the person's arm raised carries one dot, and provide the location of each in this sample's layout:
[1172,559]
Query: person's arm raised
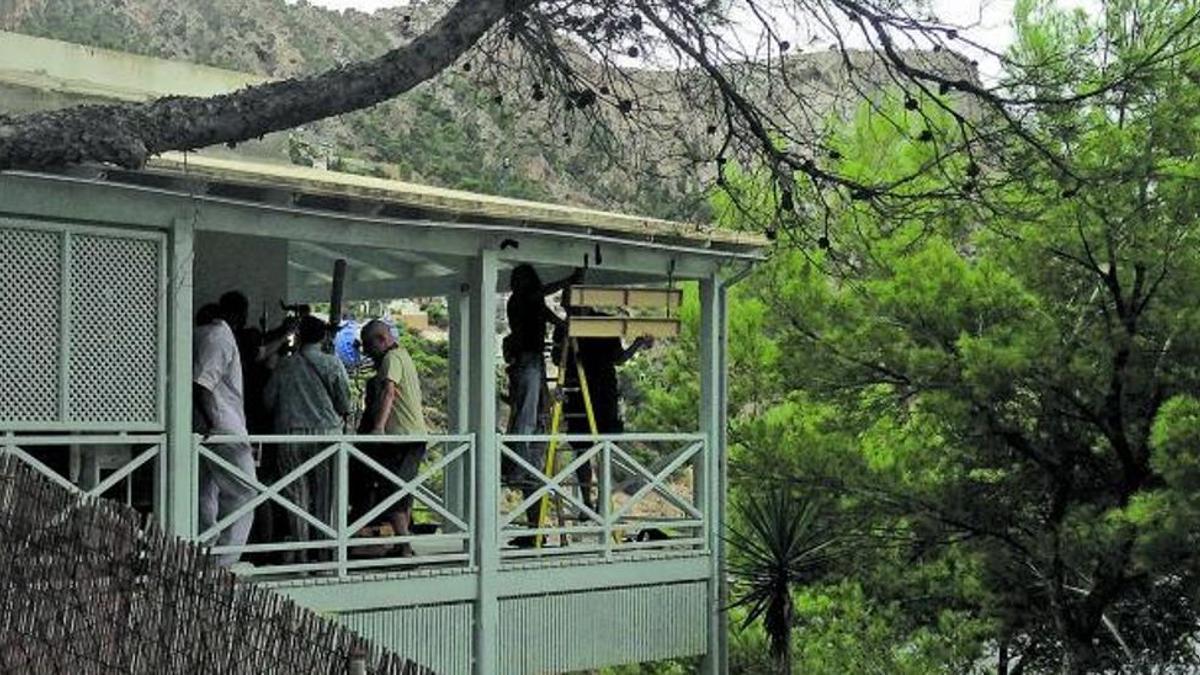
[640,343]
[575,278]
[553,318]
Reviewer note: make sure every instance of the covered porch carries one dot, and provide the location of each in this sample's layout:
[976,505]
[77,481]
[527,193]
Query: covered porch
[116,262]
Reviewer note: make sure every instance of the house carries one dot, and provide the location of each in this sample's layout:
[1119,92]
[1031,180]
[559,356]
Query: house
[104,270]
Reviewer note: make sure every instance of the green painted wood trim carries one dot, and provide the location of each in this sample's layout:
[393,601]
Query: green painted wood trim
[42,195]
[711,419]
[459,204]
[164,311]
[484,277]
[721,452]
[419,587]
[603,575]
[384,591]
[181,478]
[459,398]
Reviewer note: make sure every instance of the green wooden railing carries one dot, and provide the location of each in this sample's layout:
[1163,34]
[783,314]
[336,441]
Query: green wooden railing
[647,494]
[643,495]
[339,534]
[81,454]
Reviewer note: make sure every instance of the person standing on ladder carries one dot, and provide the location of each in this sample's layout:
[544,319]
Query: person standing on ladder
[524,354]
[600,358]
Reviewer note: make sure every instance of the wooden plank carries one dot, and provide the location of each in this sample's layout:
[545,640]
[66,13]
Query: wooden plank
[621,326]
[626,296]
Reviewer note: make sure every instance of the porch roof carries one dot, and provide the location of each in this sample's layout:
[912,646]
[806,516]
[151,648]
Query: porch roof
[354,193]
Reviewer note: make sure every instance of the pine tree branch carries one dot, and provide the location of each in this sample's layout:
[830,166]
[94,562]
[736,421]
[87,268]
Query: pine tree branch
[127,134]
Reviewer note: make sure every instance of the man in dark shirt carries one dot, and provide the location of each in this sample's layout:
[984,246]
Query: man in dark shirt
[525,358]
[600,358]
[256,350]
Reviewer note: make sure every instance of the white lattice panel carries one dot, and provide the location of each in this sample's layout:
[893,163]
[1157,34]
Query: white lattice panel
[31,296]
[82,328]
[112,373]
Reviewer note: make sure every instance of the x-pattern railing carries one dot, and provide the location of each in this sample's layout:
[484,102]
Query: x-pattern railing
[552,485]
[143,449]
[608,525]
[339,533]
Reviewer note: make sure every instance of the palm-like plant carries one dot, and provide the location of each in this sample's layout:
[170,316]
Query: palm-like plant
[778,541]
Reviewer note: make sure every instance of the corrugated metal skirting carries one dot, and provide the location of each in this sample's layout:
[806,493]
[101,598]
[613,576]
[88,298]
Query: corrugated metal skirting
[577,631]
[436,636]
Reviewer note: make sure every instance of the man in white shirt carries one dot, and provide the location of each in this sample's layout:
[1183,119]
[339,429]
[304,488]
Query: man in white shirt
[219,408]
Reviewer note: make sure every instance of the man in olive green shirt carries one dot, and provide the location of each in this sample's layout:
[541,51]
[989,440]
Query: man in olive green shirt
[393,407]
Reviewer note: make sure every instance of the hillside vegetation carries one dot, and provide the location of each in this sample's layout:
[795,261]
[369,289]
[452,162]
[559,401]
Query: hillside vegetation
[454,131]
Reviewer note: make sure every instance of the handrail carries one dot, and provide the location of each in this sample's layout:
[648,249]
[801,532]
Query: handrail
[143,449]
[597,526]
[331,438]
[593,438]
[336,532]
[84,439]
[627,475]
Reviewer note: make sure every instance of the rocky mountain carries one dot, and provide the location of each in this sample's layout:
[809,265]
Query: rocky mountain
[454,131]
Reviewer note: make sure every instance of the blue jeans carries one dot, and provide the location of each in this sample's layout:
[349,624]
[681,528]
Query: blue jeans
[526,391]
[527,376]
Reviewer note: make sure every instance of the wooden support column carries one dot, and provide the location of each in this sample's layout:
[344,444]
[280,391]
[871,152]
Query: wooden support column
[458,475]
[180,476]
[482,404]
[723,481]
[709,481]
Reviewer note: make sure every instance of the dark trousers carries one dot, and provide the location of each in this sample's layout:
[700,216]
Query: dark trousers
[368,487]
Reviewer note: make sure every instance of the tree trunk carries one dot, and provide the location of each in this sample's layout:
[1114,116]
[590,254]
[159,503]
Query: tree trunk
[127,134]
[1079,655]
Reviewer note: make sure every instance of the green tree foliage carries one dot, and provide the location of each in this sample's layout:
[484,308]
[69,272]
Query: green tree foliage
[101,27]
[998,393]
[438,144]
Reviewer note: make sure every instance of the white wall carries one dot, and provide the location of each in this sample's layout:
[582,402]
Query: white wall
[256,266]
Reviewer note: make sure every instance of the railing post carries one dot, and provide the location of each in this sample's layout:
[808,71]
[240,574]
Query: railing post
[472,490]
[342,478]
[708,480]
[604,496]
[178,453]
[483,279]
